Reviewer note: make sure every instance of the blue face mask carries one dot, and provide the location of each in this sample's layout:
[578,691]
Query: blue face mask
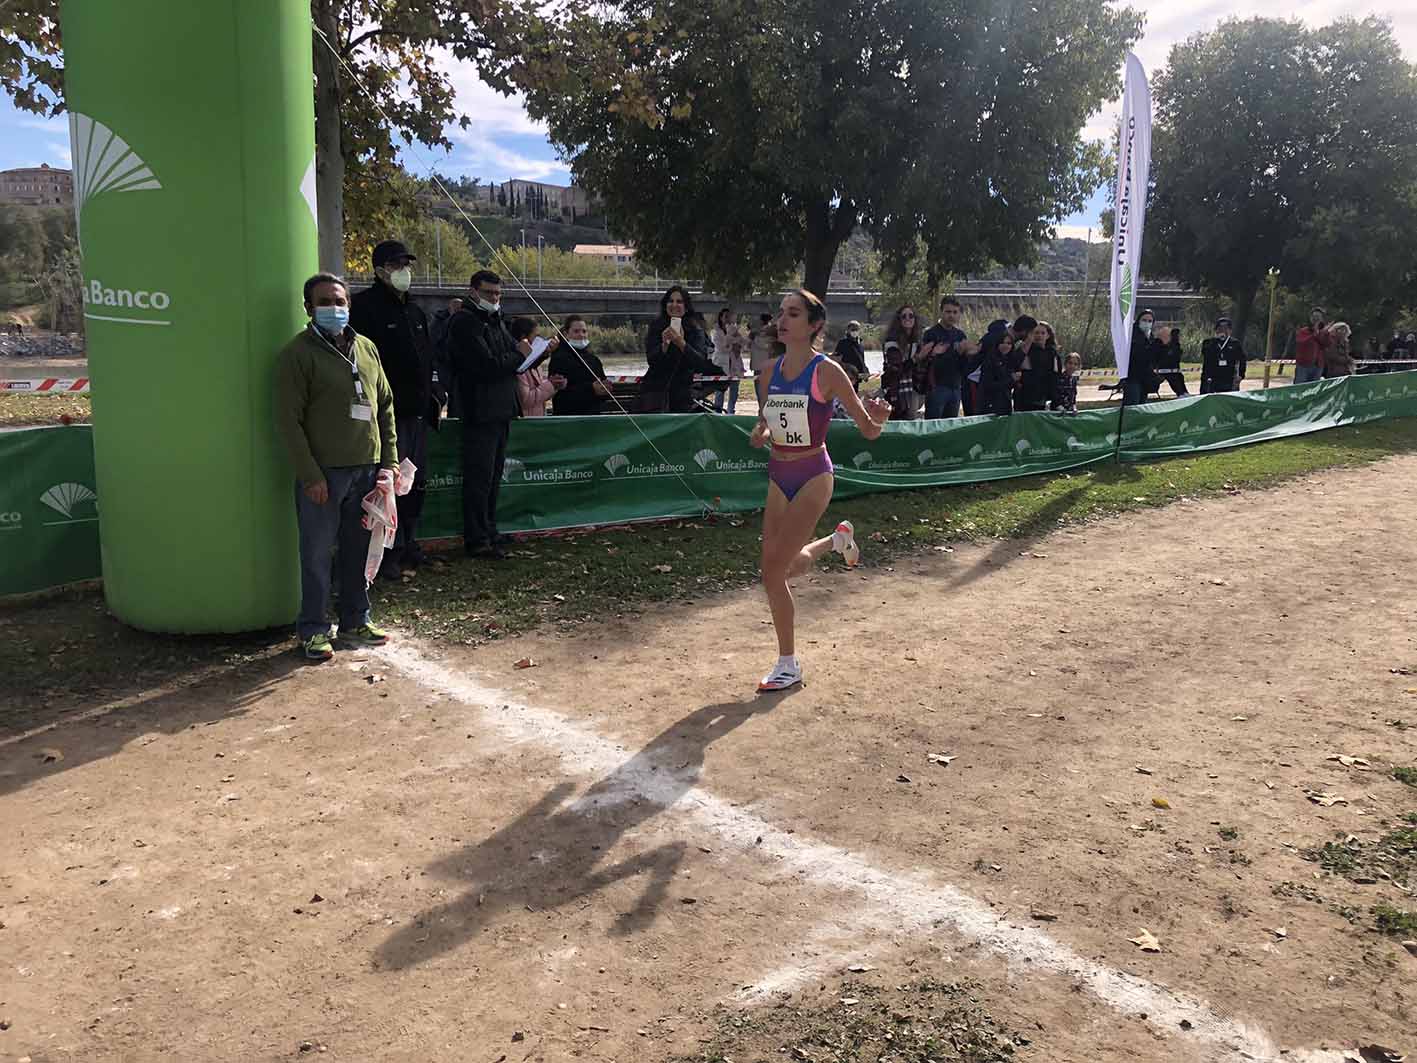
[332,319]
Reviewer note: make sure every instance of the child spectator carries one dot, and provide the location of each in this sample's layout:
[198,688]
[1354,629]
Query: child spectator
[898,384]
[1066,399]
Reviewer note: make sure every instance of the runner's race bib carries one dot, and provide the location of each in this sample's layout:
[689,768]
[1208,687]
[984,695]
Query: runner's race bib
[787,418]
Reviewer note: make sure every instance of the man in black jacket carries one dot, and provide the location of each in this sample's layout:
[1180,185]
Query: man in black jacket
[485,360]
[385,314]
[1222,360]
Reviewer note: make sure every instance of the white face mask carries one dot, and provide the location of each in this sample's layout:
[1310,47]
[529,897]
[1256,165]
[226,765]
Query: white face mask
[1146,327]
[401,279]
[486,307]
[579,345]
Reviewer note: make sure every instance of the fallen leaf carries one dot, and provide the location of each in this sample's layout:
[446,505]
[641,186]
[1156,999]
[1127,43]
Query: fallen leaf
[664,568]
[1238,719]
[1218,582]
[849,1001]
[1324,798]
[940,758]
[1160,802]
[1143,771]
[1378,1054]
[1280,932]
[1269,785]
[902,778]
[1410,946]
[377,677]
[49,755]
[1146,941]
[1351,762]
[1043,916]
[525,662]
[860,968]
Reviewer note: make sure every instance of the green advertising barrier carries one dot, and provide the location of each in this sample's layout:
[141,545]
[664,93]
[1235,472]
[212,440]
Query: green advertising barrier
[48,509]
[192,133]
[576,471]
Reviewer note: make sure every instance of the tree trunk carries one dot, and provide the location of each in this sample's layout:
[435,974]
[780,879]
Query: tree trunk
[1244,308]
[825,235]
[329,152]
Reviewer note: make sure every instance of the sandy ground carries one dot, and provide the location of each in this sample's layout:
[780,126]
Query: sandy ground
[591,858]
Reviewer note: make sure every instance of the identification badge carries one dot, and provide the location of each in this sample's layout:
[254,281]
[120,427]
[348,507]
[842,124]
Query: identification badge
[360,412]
[1222,363]
[787,419]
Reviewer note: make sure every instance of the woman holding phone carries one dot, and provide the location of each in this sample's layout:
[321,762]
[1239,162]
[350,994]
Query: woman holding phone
[676,349]
[795,397]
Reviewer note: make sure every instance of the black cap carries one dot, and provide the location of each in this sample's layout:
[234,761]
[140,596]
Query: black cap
[390,250]
[1223,321]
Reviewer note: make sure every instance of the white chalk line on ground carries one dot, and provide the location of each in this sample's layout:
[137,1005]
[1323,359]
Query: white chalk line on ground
[912,900]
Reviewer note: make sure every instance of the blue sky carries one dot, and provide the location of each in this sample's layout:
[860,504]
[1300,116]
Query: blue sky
[503,142]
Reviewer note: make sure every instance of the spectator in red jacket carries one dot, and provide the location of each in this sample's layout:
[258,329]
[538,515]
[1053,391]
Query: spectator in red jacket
[1311,345]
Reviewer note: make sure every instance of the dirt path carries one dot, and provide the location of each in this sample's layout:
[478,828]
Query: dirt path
[598,853]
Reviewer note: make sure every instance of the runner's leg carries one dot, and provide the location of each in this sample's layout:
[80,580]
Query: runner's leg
[788,549]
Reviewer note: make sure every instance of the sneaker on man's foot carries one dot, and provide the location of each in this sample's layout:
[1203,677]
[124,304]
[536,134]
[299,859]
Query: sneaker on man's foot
[367,635]
[784,675]
[318,648]
[844,543]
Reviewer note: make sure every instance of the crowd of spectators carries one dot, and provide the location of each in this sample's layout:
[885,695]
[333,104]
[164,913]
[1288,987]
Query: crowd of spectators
[360,388]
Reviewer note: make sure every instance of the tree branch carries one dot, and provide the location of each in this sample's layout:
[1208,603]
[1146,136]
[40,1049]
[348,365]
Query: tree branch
[383,31]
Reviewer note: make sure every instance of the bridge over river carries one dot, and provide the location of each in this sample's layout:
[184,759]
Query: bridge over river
[639,300]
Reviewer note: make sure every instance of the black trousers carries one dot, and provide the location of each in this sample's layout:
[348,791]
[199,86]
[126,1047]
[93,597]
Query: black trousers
[413,445]
[484,452]
[1176,379]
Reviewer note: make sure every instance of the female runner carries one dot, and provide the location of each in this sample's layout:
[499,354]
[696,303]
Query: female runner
[795,396]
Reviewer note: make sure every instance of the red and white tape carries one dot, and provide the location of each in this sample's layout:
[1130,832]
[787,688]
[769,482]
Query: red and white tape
[50,385]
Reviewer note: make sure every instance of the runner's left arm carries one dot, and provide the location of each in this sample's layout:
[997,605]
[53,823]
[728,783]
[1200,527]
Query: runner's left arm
[869,418]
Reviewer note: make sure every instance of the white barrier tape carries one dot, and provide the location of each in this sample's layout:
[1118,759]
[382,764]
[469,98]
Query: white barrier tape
[50,385]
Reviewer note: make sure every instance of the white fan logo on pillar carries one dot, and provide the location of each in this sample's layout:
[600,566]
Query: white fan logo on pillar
[65,498]
[307,191]
[103,163]
[510,467]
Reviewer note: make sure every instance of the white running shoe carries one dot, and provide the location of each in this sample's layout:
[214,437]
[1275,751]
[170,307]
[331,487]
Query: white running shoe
[844,543]
[786,674]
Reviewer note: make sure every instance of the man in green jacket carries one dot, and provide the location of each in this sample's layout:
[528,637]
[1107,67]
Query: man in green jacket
[336,416]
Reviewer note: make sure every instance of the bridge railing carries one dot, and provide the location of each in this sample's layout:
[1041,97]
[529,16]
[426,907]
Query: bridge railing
[840,289]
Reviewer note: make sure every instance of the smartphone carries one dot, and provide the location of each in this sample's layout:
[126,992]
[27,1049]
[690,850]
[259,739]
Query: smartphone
[677,324]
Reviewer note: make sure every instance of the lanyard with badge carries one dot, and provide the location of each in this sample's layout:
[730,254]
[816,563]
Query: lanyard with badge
[1221,351]
[359,409]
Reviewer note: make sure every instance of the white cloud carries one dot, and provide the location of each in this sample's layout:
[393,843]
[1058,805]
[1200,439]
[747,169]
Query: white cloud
[487,109]
[484,157]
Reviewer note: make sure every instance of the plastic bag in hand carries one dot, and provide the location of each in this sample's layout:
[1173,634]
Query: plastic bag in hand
[381,517]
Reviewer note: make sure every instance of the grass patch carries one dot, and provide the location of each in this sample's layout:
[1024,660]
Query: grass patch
[66,650]
[1407,775]
[921,1022]
[1392,857]
[21,410]
[1394,921]
[599,575]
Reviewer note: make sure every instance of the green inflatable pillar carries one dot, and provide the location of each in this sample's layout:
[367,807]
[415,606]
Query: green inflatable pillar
[192,128]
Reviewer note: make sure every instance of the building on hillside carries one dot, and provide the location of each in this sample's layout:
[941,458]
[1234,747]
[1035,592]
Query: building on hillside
[616,254]
[37,186]
[539,201]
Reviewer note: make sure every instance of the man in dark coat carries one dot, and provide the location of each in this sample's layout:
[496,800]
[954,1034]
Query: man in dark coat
[485,361]
[396,324]
[1222,360]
